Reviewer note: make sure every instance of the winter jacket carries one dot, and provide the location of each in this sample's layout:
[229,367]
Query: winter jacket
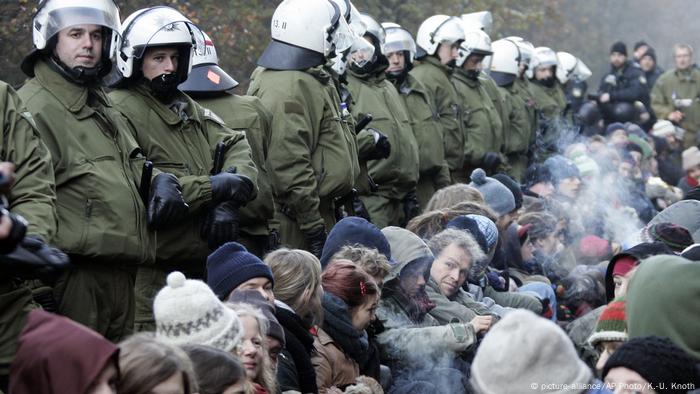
[461,307]
[183,144]
[670,93]
[518,133]
[295,370]
[332,366]
[435,77]
[653,75]
[684,213]
[579,330]
[550,100]
[626,83]
[97,165]
[522,88]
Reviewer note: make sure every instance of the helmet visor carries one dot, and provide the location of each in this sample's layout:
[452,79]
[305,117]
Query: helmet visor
[341,37]
[398,39]
[161,26]
[99,12]
[361,52]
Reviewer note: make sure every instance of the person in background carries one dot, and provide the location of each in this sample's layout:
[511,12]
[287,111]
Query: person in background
[253,351]
[651,69]
[217,371]
[691,166]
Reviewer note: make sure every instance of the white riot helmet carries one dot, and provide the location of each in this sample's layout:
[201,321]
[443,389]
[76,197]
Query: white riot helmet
[374,29]
[156,27]
[361,51]
[505,62]
[527,50]
[543,57]
[399,39]
[206,75]
[482,20]
[571,67]
[52,16]
[476,42]
[304,34]
[436,30]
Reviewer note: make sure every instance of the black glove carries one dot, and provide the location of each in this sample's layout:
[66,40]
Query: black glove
[382,146]
[166,205]
[227,186]
[18,230]
[35,259]
[491,161]
[221,225]
[273,241]
[360,209]
[316,238]
[411,206]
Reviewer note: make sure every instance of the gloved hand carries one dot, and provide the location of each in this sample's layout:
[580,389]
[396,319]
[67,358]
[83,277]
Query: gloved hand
[491,161]
[360,209]
[273,241]
[316,238]
[33,258]
[382,146]
[221,225]
[411,206]
[166,206]
[227,186]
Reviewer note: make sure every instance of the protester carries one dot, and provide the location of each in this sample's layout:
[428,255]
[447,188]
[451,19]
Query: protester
[252,349]
[217,372]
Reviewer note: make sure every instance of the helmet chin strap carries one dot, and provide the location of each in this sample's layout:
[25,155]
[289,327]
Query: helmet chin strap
[79,75]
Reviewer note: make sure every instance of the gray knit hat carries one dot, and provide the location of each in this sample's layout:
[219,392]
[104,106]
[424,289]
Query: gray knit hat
[524,353]
[496,195]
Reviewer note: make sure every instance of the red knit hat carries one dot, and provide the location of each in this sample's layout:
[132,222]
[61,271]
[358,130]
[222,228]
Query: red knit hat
[612,324]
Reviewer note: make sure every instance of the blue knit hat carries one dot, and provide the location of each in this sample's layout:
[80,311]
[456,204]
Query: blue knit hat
[562,168]
[230,265]
[612,127]
[355,230]
[488,229]
[496,195]
[464,223]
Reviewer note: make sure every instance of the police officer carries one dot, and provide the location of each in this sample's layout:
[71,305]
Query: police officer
[572,74]
[483,127]
[522,86]
[438,40]
[154,55]
[623,86]
[505,64]
[675,94]
[312,157]
[212,88]
[97,165]
[395,170]
[434,173]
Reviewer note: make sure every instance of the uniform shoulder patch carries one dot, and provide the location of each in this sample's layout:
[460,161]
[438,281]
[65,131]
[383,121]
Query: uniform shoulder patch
[291,107]
[209,114]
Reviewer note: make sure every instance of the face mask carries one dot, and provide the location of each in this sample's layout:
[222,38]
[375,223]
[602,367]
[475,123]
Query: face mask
[164,87]
[472,74]
[452,63]
[548,82]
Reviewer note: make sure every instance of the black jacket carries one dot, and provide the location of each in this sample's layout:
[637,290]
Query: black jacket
[628,83]
[295,370]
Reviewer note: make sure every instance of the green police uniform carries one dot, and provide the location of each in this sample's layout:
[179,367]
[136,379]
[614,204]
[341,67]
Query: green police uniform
[247,113]
[312,156]
[482,123]
[32,196]
[435,77]
[551,104]
[434,173]
[180,139]
[102,219]
[518,136]
[398,174]
[674,90]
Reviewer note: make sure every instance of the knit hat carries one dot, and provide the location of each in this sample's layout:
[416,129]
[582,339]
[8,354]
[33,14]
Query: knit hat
[634,129]
[619,47]
[488,228]
[613,127]
[595,247]
[535,174]
[462,222]
[586,165]
[561,168]
[188,312]
[497,196]
[644,147]
[354,230]
[612,324]
[254,298]
[651,53]
[674,236]
[640,43]
[523,349]
[663,129]
[691,158]
[513,186]
[230,265]
[659,361]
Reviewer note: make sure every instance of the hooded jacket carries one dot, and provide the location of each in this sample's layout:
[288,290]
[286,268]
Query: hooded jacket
[684,213]
[58,356]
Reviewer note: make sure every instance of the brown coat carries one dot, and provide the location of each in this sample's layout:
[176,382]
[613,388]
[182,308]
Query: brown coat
[333,367]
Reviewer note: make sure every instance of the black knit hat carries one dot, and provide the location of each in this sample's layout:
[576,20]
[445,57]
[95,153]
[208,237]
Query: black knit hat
[651,53]
[619,47]
[535,174]
[659,361]
[639,44]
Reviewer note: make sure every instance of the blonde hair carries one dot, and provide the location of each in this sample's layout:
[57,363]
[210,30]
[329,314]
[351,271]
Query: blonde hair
[145,362]
[431,223]
[295,271]
[449,196]
[266,376]
[370,260]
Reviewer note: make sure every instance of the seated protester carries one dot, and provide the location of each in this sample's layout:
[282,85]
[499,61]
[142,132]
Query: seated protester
[217,371]
[350,299]
[546,246]
[610,333]
[631,187]
[523,268]
[431,223]
[676,237]
[376,264]
[449,196]
[616,133]
[58,356]
[298,295]
[275,333]
[659,288]
[456,253]
[537,183]
[414,343]
[497,197]
[685,213]
[148,365]
[185,302]
[653,363]
[514,188]
[668,141]
[691,166]
[524,350]
[252,349]
[579,293]
[354,230]
[231,267]
[661,194]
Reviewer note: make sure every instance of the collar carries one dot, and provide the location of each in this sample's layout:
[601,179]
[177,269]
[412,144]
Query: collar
[432,60]
[163,110]
[686,75]
[461,74]
[73,96]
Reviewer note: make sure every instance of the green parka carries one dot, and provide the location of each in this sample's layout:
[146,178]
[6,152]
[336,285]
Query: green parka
[678,85]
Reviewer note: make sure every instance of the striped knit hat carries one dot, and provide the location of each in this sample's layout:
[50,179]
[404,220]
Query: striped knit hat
[674,236]
[612,324]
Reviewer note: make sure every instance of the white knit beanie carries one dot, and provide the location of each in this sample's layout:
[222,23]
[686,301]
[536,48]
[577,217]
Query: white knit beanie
[188,312]
[526,353]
